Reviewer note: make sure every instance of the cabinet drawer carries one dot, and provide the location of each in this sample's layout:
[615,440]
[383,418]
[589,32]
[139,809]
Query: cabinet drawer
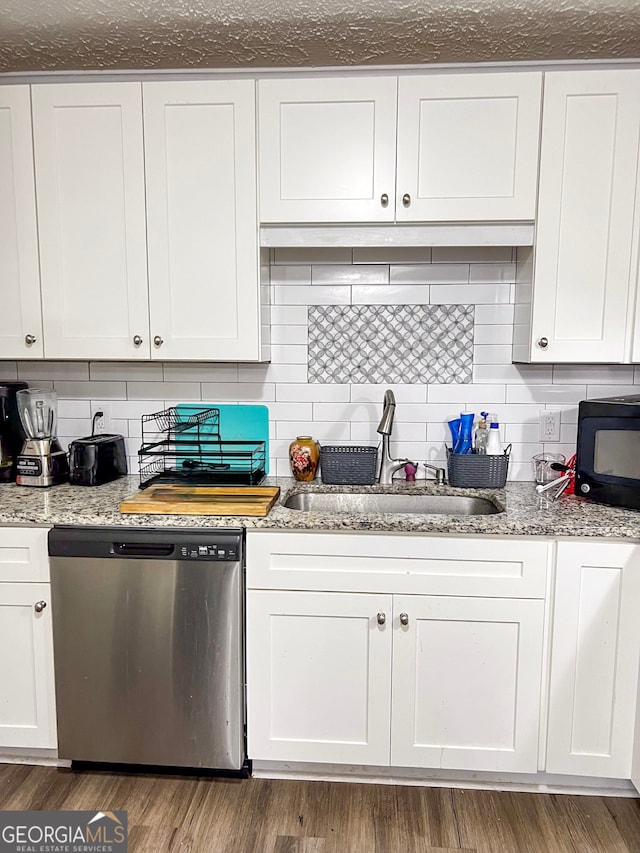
[431,565]
[24,555]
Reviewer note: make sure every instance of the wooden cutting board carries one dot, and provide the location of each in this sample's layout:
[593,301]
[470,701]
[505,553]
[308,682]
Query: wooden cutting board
[202,500]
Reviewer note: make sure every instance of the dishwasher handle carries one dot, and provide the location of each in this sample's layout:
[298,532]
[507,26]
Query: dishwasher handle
[142,549]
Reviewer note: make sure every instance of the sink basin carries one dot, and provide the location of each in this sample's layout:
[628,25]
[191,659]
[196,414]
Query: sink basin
[368,503]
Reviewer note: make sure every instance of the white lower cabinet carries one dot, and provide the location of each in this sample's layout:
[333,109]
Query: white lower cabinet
[318,674]
[27,691]
[594,659]
[466,683]
[389,678]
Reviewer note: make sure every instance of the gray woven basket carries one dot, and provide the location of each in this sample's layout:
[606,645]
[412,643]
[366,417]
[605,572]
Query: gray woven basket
[346,464]
[478,471]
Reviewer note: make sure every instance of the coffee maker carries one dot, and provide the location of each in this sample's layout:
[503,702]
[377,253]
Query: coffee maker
[12,435]
[42,461]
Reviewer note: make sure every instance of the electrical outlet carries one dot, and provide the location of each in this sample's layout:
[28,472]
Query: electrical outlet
[101,422]
[549,426]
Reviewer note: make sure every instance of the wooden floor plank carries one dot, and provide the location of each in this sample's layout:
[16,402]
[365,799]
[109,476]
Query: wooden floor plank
[169,814]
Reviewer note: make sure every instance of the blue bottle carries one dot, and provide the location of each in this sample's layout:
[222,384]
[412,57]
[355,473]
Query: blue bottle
[464,443]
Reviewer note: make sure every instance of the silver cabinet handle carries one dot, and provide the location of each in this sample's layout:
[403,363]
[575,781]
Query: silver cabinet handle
[404,618]
[543,343]
[137,340]
[158,341]
[382,618]
[39,606]
[30,340]
[406,199]
[384,199]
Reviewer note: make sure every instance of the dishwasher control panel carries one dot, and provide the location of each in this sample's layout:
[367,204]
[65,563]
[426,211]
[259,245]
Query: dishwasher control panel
[213,551]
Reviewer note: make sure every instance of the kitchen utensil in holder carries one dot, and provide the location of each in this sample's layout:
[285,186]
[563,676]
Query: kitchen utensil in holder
[478,471]
[348,465]
[178,448]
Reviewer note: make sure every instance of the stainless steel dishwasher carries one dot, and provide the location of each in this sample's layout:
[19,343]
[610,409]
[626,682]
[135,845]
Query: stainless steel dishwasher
[148,645]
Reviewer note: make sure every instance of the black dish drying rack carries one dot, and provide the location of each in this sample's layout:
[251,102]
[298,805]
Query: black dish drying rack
[178,448]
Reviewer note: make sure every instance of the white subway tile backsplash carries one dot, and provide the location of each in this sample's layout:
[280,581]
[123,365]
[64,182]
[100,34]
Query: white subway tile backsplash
[513,374]
[467,394]
[429,274]
[313,393]
[199,372]
[343,413]
[164,390]
[8,371]
[242,392]
[34,371]
[481,273]
[129,370]
[498,314]
[390,294]
[547,394]
[493,334]
[339,294]
[491,354]
[469,294]
[392,255]
[293,276]
[352,274]
[327,255]
[471,255]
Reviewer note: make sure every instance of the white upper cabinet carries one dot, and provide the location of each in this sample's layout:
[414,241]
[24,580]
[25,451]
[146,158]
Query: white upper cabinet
[573,294]
[327,149]
[91,219]
[21,317]
[464,147]
[468,147]
[200,159]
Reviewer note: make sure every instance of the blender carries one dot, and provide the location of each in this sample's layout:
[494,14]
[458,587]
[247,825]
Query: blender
[42,461]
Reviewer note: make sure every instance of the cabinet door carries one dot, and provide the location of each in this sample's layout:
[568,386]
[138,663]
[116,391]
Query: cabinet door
[468,147]
[27,694]
[200,158]
[318,677]
[595,652]
[589,160]
[466,683]
[327,149]
[91,219]
[20,317]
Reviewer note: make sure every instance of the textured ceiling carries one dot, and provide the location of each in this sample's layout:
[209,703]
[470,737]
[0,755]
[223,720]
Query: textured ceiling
[42,35]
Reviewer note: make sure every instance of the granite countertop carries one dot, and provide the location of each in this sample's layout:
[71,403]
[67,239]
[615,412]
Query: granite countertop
[525,514]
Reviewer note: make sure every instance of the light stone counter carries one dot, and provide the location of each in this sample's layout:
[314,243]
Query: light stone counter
[525,513]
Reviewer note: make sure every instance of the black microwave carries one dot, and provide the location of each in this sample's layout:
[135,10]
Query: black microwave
[608,455]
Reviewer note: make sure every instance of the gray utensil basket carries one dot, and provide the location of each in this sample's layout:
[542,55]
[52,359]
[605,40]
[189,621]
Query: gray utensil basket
[478,471]
[348,465]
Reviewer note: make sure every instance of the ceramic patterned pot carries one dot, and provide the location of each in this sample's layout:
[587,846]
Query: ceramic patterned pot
[304,455]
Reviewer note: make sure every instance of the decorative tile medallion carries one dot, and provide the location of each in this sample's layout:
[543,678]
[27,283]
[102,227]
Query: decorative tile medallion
[390,343]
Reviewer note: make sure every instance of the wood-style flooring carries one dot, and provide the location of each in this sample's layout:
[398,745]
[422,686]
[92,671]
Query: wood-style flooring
[195,815]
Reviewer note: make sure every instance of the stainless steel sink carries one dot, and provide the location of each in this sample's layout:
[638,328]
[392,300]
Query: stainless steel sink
[369,503]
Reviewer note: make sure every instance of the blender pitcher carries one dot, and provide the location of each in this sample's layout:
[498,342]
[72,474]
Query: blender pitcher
[42,461]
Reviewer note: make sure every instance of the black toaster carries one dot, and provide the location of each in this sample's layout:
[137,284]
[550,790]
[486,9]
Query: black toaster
[97,459]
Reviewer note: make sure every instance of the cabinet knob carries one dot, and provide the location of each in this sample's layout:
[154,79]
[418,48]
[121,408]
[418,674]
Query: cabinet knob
[384,200]
[39,606]
[404,618]
[543,343]
[406,199]
[30,340]
[382,618]
[158,341]
[137,340]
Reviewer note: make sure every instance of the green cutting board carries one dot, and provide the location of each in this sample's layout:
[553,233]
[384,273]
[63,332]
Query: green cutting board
[241,422]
